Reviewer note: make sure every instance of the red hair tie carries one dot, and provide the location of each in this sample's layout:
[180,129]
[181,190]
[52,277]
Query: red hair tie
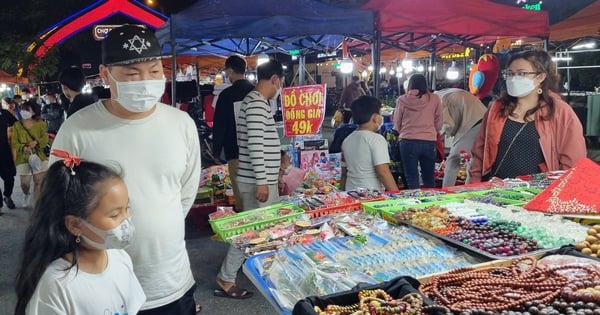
[69,160]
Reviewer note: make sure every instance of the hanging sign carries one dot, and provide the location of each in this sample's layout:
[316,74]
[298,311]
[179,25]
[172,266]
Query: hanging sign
[303,109]
[99,31]
[463,54]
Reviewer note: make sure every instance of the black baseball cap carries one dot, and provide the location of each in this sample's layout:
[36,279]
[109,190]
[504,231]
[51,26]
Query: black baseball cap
[129,44]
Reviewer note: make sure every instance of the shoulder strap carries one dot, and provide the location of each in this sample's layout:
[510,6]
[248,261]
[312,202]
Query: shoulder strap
[26,130]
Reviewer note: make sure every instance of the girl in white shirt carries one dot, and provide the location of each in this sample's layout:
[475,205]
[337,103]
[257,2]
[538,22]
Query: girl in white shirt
[72,261]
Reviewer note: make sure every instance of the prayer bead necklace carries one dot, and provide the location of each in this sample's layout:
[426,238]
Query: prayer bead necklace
[497,288]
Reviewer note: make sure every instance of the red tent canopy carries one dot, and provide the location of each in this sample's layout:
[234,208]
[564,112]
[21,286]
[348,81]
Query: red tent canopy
[11,79]
[458,17]
[580,24]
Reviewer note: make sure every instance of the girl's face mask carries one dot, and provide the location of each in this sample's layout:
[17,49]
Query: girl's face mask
[118,238]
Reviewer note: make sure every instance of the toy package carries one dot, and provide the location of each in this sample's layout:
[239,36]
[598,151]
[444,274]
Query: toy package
[206,175]
[314,158]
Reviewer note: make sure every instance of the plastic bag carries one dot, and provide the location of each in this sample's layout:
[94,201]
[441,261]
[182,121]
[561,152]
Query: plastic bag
[336,120]
[35,163]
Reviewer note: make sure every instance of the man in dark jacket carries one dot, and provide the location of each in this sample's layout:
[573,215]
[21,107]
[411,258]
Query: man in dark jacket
[52,112]
[224,125]
[71,82]
[7,165]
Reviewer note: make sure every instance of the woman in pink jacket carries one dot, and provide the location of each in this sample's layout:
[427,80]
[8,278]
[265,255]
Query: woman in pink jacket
[418,118]
[529,129]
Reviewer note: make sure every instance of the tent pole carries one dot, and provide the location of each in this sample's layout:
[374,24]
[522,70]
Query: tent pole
[173,62]
[376,53]
[301,69]
[197,77]
[433,68]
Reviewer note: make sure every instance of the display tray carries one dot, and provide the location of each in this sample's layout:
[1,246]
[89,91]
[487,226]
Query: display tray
[253,266]
[334,209]
[254,219]
[470,249]
[252,269]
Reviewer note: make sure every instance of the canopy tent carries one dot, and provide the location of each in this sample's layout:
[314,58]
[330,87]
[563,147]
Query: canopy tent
[458,17]
[432,25]
[581,24]
[250,27]
[247,28]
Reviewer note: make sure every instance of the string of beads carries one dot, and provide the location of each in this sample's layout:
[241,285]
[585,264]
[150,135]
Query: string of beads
[379,302]
[501,288]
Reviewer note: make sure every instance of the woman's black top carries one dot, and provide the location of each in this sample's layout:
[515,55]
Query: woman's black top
[524,156]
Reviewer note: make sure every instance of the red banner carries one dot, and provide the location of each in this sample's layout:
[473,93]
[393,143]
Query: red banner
[303,109]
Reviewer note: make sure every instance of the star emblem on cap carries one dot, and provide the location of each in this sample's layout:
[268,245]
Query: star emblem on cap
[136,43]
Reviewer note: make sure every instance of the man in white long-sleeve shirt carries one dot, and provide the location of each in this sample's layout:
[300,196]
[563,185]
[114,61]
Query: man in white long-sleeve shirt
[259,161]
[157,147]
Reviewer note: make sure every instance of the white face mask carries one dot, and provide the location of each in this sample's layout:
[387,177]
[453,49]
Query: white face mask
[139,96]
[380,124]
[519,86]
[25,114]
[117,238]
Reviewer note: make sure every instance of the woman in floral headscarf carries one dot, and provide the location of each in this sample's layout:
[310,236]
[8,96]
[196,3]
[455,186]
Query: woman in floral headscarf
[462,118]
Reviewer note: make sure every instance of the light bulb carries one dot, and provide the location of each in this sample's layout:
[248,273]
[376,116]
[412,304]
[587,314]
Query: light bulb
[262,58]
[346,66]
[452,73]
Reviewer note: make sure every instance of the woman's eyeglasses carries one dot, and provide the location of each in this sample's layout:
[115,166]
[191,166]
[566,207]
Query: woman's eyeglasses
[508,73]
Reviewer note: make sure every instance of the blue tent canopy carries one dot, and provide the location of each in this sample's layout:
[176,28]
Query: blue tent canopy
[251,27]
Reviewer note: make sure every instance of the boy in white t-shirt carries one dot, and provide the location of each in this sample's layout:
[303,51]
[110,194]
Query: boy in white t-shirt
[365,157]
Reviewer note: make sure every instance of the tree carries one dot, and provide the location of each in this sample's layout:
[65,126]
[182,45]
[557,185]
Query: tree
[21,22]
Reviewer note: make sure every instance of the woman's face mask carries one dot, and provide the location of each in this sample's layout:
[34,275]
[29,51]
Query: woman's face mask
[519,86]
[25,114]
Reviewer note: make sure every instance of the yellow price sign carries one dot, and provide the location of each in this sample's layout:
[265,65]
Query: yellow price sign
[302,127]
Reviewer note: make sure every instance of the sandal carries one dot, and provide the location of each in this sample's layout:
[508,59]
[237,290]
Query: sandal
[9,202]
[233,293]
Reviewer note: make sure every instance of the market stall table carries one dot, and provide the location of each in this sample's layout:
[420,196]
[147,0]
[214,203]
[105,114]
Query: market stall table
[281,274]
